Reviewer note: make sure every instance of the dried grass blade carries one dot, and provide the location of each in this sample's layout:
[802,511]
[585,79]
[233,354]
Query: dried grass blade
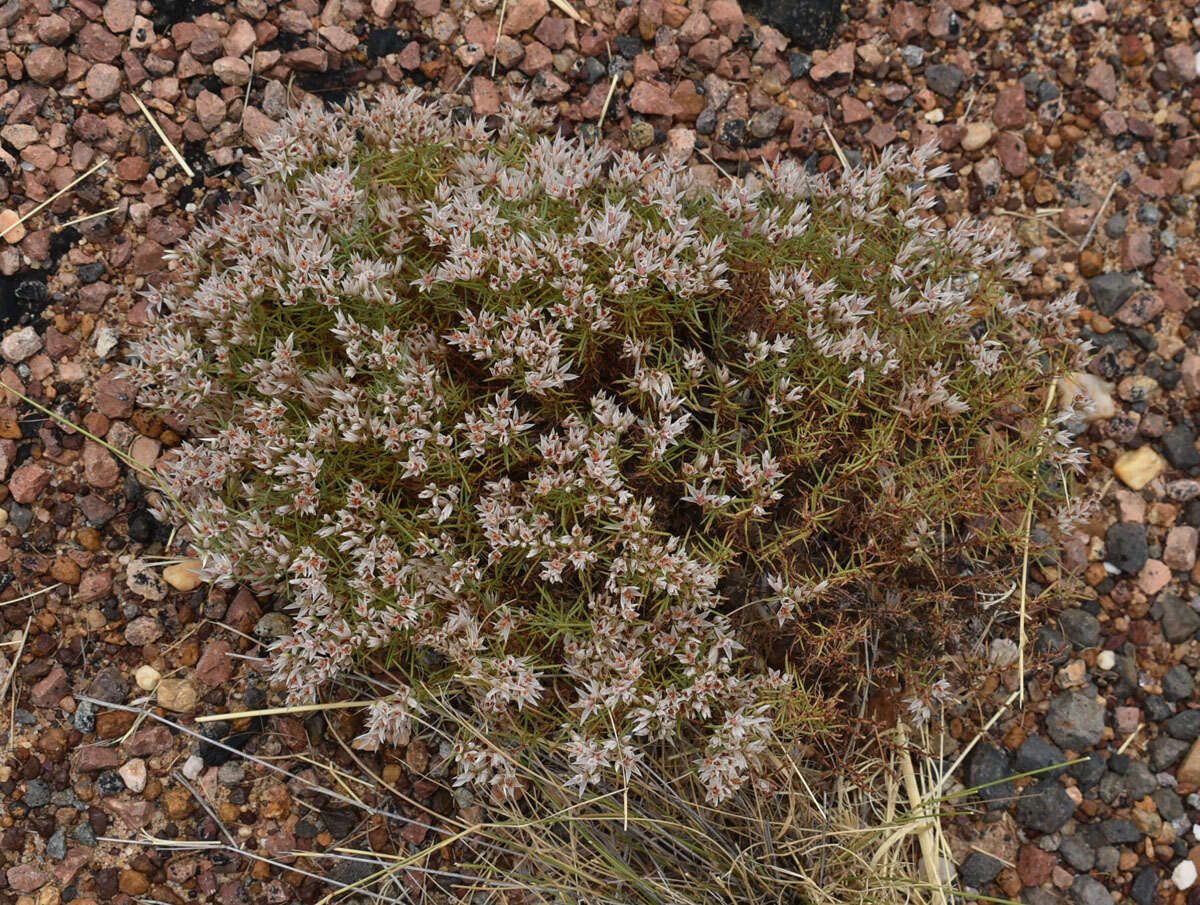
[183,164]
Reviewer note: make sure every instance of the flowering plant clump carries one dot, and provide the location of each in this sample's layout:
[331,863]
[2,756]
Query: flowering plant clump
[562,435]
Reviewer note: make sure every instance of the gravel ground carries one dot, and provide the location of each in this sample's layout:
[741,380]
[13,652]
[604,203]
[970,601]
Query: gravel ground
[1079,124]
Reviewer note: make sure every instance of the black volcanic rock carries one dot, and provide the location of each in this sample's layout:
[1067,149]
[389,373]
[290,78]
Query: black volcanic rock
[809,23]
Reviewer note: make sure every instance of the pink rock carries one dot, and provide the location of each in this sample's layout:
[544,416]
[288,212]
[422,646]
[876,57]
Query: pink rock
[594,41]
[839,63]
[509,51]
[537,56]
[1009,112]
[97,758]
[1127,719]
[1141,309]
[524,15]
[280,845]
[294,21]
[1189,370]
[854,110]
[695,28]
[548,87]
[726,14]
[95,584]
[133,169]
[480,37]
[1147,185]
[99,467]
[1075,551]
[142,34]
[180,870]
[53,29]
[1034,865]
[1075,220]
[256,125]
[1181,62]
[183,34]
[1131,506]
[1136,250]
[905,22]
[240,39]
[136,814]
[1154,576]
[1113,122]
[97,44]
[708,52]
[114,397]
[1103,80]
[681,141]
[43,158]
[1179,552]
[556,33]
[243,612]
[1175,297]
[46,65]
[69,866]
[340,39]
[989,17]
[51,689]
[143,630]
[652,98]
[882,134]
[1013,154]
[485,99]
[414,833]
[307,59]
[149,740]
[28,482]
[119,15]
[103,81]
[25,878]
[21,345]
[410,56]
[210,110]
[59,344]
[940,18]
[215,666]
[235,70]
[988,173]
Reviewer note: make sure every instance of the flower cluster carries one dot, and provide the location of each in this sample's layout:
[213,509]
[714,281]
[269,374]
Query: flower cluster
[558,433]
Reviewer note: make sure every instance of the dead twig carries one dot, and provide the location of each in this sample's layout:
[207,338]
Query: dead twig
[1100,213]
[837,148]
[499,32]
[1027,531]
[12,671]
[276,711]
[163,136]
[53,198]
[612,87]
[570,11]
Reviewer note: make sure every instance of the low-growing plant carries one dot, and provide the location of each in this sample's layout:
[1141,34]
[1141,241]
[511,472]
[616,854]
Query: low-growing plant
[598,451]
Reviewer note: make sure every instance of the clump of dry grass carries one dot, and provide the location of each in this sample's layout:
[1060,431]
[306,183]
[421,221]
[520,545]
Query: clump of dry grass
[866,834]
